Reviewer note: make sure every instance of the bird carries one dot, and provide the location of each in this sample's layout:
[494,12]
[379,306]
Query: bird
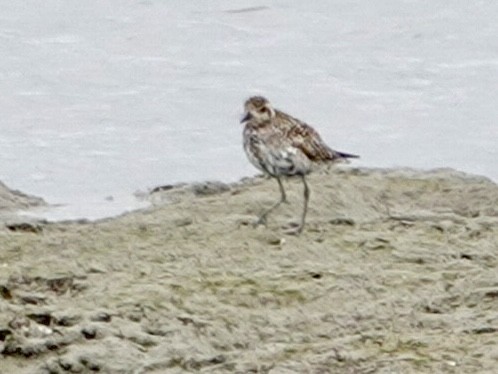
[283,146]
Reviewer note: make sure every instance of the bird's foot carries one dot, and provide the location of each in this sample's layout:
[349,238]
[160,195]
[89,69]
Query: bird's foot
[293,228]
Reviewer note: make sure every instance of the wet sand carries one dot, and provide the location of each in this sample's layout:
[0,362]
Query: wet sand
[395,272]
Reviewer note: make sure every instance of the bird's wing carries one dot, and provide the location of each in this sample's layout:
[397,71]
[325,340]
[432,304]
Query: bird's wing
[308,141]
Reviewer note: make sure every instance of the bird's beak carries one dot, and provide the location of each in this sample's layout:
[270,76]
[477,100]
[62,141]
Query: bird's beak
[247,117]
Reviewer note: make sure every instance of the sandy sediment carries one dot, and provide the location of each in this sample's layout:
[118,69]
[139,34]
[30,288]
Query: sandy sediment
[395,272]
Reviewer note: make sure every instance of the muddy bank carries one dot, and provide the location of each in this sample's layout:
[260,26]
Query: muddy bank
[396,271]
[11,203]
[11,200]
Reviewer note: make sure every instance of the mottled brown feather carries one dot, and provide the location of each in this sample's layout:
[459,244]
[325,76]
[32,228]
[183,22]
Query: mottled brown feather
[281,145]
[304,137]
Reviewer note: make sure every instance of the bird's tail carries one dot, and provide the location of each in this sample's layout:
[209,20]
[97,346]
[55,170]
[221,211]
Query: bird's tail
[346,155]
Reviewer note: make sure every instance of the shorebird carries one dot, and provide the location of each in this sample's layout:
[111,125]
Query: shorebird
[282,146]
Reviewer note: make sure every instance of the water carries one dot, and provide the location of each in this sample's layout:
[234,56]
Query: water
[100,99]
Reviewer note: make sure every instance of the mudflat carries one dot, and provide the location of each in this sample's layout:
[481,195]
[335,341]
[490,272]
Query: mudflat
[396,271]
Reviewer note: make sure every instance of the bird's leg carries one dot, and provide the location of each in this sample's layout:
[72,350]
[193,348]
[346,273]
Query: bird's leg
[283,199]
[306,200]
[298,229]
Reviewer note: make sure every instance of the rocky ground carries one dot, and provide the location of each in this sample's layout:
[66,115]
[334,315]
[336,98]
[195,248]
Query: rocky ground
[395,272]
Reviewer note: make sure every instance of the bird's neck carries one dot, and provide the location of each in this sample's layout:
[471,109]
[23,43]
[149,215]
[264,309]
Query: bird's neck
[259,124]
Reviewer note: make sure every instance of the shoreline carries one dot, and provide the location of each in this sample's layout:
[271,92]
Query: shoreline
[19,206]
[394,271]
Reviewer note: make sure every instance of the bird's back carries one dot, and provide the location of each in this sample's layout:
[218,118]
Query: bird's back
[305,138]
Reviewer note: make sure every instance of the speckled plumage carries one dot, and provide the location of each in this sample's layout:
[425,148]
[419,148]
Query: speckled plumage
[283,146]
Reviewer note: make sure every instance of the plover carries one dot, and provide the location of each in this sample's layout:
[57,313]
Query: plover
[283,146]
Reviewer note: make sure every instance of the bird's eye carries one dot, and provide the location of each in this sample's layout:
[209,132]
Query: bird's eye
[262,110]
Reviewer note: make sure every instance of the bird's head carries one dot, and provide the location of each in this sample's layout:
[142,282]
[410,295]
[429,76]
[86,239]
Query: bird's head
[259,109]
